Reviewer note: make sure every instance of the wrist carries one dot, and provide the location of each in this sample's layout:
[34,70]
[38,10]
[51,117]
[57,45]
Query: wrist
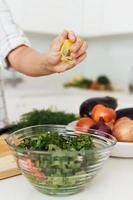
[45,64]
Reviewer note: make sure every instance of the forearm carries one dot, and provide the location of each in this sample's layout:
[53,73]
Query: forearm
[28,61]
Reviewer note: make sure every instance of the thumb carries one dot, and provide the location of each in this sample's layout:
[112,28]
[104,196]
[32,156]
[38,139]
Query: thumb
[60,40]
[63,36]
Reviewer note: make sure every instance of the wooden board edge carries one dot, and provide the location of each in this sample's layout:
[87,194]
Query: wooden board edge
[9,173]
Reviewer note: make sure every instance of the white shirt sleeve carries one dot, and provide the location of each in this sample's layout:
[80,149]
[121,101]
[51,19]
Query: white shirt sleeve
[11,35]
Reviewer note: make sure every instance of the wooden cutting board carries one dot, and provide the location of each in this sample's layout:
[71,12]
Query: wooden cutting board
[8,165]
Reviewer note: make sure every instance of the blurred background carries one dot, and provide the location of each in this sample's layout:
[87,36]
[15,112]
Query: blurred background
[107,26]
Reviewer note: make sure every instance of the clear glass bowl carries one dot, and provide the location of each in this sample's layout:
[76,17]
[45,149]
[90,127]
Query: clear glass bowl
[60,172]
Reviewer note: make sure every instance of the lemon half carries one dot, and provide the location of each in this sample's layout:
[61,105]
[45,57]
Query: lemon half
[66,51]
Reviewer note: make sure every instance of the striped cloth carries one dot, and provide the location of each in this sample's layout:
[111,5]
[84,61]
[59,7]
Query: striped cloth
[11,36]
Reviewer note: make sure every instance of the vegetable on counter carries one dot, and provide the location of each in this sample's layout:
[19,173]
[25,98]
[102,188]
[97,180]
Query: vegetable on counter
[104,83]
[123,130]
[84,123]
[125,112]
[103,80]
[87,106]
[101,126]
[108,114]
[79,81]
[48,116]
[102,111]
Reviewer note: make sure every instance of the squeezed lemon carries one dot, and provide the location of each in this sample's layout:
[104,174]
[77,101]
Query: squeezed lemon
[66,51]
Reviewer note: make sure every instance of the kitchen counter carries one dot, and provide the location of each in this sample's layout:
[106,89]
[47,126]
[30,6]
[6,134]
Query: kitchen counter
[114,182]
[22,100]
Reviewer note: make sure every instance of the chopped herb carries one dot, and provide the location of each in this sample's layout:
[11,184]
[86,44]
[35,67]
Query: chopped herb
[64,166]
[55,141]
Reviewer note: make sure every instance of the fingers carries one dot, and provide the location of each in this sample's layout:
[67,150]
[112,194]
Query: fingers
[81,51]
[77,42]
[63,36]
[67,35]
[62,67]
[77,45]
[57,42]
[77,61]
[72,36]
[81,58]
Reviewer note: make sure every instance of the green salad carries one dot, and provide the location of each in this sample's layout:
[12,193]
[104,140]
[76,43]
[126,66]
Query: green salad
[62,162]
[56,141]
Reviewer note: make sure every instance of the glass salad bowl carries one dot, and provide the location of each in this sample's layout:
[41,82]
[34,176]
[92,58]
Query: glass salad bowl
[57,161]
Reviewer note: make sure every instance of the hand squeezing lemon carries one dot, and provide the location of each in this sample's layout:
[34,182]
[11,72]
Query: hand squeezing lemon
[66,51]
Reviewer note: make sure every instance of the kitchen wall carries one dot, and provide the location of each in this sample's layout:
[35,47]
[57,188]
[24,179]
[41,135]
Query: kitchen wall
[112,55]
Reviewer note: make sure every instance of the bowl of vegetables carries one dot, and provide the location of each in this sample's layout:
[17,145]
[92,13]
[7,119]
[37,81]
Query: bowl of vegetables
[101,113]
[57,161]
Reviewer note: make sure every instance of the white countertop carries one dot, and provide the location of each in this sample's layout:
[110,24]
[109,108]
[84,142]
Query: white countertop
[114,182]
[25,98]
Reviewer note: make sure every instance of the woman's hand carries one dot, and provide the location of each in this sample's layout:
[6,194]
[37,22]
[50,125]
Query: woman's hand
[52,59]
[32,63]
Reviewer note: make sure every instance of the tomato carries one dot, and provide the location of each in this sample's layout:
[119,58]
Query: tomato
[84,123]
[40,176]
[108,114]
[94,86]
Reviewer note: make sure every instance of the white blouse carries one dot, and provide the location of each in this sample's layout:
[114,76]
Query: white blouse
[11,35]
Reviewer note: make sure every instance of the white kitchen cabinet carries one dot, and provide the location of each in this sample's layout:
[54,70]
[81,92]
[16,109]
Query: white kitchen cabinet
[93,17]
[118,16]
[85,17]
[52,16]
[106,17]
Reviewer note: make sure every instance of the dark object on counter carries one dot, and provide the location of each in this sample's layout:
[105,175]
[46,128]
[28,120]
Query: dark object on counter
[87,106]
[103,80]
[104,83]
[125,112]
[6,129]
[131,88]
[101,126]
